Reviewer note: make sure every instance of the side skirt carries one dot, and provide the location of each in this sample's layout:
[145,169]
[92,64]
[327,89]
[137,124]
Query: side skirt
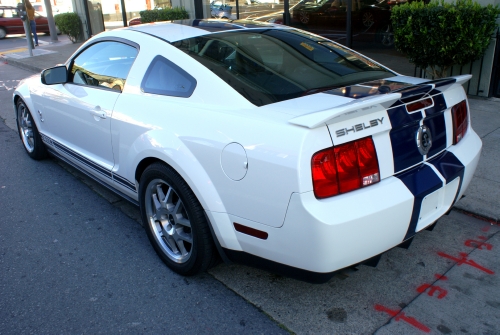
[109,187]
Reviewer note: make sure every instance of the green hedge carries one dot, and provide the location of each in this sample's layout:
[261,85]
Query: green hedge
[439,35]
[167,14]
[69,24]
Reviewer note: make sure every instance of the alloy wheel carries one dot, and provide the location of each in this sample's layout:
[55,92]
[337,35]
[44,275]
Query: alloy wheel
[26,127]
[169,221]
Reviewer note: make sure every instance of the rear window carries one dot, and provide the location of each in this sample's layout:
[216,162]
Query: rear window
[272,65]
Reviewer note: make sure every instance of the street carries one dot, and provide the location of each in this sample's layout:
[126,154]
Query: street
[74,259]
[16,42]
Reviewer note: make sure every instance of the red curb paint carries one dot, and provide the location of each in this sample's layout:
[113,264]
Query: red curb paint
[433,289]
[478,244]
[440,277]
[398,315]
[463,260]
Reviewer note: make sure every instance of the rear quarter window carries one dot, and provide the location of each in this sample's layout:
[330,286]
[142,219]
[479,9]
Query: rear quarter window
[165,78]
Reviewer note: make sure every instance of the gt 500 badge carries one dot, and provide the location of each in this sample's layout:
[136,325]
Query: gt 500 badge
[359,127]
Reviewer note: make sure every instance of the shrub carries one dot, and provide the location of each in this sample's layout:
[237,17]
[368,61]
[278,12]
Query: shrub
[439,35]
[69,24]
[167,14]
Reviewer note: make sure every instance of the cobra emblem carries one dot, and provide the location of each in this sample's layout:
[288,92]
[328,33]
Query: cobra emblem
[424,140]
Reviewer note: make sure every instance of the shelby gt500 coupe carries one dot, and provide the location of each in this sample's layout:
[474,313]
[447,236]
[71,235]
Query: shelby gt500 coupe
[262,144]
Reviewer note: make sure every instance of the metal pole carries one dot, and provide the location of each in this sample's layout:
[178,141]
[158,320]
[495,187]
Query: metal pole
[124,14]
[87,18]
[286,12]
[29,39]
[348,28]
[50,19]
[237,10]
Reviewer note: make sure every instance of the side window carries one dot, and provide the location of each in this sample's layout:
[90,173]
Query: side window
[9,13]
[165,78]
[104,64]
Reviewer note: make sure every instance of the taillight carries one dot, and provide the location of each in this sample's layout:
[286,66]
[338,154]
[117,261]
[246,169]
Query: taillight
[460,121]
[345,168]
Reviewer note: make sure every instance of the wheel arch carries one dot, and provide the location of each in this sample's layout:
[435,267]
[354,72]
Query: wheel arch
[219,223]
[191,171]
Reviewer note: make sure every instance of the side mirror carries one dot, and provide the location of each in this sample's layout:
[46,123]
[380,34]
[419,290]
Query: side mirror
[55,75]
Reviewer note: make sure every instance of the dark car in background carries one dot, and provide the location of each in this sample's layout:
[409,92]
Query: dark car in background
[333,13]
[11,23]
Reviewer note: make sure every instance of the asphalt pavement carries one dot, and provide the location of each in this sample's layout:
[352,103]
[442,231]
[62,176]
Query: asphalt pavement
[57,236]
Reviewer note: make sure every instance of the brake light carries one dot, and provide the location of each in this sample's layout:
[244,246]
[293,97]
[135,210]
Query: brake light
[345,168]
[460,121]
[415,106]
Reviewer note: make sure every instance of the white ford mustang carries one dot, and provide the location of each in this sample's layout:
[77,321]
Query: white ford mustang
[262,144]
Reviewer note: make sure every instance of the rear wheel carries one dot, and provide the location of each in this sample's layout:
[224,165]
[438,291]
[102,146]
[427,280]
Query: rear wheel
[175,221]
[28,132]
[3,33]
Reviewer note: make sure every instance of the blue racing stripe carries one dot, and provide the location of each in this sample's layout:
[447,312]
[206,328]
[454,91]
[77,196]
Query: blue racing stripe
[119,179]
[450,167]
[439,105]
[436,124]
[420,181]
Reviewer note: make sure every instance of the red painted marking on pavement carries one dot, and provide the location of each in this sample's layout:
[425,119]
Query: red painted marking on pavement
[398,315]
[433,289]
[485,228]
[440,277]
[478,244]
[463,260]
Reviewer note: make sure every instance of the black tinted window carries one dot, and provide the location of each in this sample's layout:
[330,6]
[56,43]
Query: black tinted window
[165,78]
[271,65]
[104,64]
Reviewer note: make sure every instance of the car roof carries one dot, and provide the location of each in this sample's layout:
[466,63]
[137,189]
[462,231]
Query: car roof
[182,29]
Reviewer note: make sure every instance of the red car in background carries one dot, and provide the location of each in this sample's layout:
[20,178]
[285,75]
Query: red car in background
[134,21]
[11,23]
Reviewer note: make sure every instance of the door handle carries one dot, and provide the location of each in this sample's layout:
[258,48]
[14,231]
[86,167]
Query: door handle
[98,112]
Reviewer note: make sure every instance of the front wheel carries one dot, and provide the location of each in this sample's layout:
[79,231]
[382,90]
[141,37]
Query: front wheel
[367,19]
[28,132]
[304,17]
[175,221]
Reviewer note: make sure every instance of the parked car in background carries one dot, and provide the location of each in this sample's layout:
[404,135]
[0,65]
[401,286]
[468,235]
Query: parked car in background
[333,13]
[261,143]
[11,23]
[135,21]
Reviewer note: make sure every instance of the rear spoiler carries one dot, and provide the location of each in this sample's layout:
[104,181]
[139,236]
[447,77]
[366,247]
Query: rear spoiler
[375,102]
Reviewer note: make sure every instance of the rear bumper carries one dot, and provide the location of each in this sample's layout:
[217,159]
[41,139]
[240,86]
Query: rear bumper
[322,236]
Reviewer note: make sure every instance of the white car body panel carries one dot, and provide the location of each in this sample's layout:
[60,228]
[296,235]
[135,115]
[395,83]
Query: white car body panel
[252,165]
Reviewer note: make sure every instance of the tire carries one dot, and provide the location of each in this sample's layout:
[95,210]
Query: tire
[182,236]
[387,36]
[3,33]
[28,132]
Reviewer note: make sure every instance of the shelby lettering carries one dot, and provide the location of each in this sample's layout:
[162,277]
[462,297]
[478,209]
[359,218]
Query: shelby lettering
[359,127]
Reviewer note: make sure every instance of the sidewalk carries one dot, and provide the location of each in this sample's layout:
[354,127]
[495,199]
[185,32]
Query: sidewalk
[483,195]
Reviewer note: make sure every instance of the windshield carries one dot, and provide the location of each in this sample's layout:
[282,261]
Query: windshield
[272,65]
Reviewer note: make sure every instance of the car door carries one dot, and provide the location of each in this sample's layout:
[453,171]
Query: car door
[75,116]
[42,25]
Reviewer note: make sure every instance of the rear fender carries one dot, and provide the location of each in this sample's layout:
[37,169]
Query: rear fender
[189,168]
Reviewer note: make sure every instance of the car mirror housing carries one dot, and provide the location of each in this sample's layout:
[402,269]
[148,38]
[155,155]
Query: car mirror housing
[55,75]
